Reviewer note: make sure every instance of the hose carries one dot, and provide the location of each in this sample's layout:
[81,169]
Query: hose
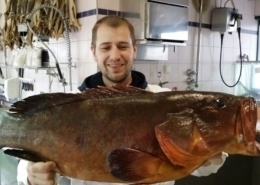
[28,19]
[239,38]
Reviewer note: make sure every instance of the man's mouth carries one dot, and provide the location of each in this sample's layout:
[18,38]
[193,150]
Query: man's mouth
[115,66]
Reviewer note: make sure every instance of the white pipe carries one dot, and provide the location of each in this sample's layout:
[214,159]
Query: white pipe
[199,40]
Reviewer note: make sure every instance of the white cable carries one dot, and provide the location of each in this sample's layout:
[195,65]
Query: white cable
[238,23]
[232,2]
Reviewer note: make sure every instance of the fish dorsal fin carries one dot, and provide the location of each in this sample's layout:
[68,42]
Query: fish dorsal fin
[115,91]
[32,104]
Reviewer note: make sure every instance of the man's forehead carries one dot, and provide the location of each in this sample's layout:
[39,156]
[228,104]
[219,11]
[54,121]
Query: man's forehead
[107,34]
[105,27]
[119,43]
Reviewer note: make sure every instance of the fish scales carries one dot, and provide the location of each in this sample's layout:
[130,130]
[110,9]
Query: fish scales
[137,137]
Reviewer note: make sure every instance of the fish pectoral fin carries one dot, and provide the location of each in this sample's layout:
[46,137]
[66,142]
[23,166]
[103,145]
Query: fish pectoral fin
[22,154]
[180,139]
[132,165]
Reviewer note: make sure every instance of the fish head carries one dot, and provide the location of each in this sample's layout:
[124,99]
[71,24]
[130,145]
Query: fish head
[245,129]
[228,122]
[210,124]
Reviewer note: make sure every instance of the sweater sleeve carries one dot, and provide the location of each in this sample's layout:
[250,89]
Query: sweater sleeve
[156,88]
[212,168]
[22,173]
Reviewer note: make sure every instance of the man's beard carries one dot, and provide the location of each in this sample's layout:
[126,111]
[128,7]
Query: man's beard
[118,80]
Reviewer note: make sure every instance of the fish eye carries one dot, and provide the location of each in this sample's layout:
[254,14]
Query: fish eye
[220,103]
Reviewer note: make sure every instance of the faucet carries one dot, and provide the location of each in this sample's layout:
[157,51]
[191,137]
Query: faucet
[190,88]
[190,81]
[191,72]
[245,57]
[159,74]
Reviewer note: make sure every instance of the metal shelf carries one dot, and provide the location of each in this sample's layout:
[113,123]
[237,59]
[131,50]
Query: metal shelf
[50,71]
[26,67]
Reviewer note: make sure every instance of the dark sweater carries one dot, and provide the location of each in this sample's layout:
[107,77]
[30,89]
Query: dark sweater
[95,80]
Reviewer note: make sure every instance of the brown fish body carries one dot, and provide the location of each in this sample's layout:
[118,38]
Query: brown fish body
[139,137]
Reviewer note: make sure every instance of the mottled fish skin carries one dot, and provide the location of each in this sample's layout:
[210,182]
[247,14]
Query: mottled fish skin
[123,134]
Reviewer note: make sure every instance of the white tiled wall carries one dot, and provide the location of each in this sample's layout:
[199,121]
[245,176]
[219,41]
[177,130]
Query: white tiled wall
[80,51]
[83,5]
[181,58]
[110,5]
[185,57]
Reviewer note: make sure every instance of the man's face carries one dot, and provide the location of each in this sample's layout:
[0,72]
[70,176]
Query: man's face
[114,53]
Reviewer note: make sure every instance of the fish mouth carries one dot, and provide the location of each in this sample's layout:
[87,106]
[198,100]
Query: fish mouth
[246,128]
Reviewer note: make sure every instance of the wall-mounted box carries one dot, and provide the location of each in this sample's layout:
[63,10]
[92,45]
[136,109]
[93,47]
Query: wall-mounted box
[223,19]
[160,22]
[9,88]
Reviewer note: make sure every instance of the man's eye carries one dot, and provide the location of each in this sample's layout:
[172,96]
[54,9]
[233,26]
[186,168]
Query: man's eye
[105,48]
[123,47]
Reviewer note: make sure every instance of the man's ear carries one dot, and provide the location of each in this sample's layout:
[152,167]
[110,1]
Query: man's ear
[93,49]
[135,51]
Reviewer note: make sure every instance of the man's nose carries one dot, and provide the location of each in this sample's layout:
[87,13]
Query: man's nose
[115,53]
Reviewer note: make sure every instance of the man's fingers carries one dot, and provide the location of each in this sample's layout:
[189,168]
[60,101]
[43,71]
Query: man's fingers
[45,176]
[41,173]
[41,167]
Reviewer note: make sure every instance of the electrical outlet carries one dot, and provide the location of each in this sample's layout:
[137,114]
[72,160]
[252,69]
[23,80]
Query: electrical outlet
[257,70]
[167,69]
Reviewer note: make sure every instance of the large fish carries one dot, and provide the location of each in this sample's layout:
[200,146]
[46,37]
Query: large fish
[124,134]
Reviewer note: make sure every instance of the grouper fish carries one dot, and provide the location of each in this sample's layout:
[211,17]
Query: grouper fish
[129,135]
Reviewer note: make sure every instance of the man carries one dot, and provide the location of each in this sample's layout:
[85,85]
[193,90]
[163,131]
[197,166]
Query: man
[114,50]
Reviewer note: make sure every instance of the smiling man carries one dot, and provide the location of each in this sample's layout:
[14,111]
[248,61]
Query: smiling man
[114,52]
[114,49]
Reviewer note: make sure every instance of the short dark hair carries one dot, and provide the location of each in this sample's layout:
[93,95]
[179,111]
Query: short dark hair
[113,21]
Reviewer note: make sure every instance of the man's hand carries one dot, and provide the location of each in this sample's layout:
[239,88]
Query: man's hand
[41,173]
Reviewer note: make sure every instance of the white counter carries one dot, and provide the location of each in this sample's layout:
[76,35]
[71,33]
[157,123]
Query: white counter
[258,125]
